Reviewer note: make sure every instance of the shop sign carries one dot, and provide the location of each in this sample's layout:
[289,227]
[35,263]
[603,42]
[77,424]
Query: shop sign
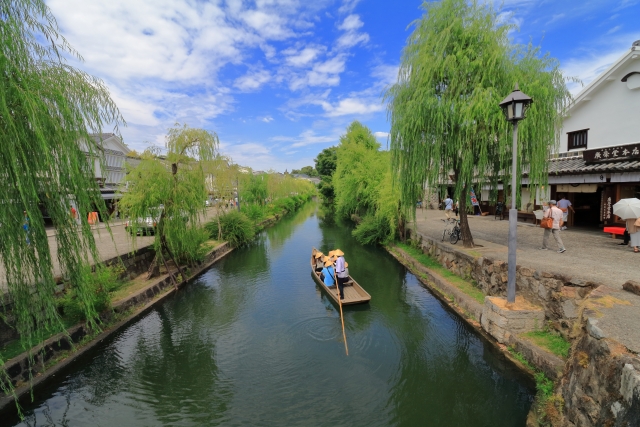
[608,154]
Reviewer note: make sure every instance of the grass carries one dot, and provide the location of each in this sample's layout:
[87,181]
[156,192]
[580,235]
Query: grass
[550,341]
[424,259]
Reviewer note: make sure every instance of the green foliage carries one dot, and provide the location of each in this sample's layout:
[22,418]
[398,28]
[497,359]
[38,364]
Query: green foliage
[326,166]
[255,213]
[326,161]
[363,186]
[237,229]
[544,385]
[551,341]
[176,182]
[48,111]
[456,68]
[255,190]
[372,230]
[101,282]
[306,170]
[432,264]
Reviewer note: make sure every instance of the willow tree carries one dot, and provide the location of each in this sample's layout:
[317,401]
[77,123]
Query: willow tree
[172,190]
[48,109]
[222,181]
[457,66]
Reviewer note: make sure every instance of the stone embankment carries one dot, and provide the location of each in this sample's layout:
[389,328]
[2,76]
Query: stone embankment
[53,354]
[599,384]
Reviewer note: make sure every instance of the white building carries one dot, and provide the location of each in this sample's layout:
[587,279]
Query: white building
[109,158]
[599,156]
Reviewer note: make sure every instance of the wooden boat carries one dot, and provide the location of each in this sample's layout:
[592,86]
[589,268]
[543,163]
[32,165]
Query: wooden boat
[353,292]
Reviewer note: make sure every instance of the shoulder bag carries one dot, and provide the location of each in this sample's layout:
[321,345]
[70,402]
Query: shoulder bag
[547,221]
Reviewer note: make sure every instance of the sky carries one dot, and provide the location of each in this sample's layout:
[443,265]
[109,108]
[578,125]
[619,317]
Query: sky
[280,80]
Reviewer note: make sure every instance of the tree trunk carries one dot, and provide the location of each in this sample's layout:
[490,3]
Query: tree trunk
[467,238]
[154,268]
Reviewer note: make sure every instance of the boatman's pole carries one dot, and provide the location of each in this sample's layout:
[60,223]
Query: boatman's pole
[344,335]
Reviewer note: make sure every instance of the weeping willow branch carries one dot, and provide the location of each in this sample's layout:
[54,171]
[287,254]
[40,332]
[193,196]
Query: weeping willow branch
[458,64]
[48,109]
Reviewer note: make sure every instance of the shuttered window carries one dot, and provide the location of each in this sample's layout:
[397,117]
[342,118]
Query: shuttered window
[577,139]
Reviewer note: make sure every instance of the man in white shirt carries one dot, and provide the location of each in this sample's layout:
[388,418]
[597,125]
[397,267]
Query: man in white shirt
[556,215]
[341,272]
[564,206]
[448,206]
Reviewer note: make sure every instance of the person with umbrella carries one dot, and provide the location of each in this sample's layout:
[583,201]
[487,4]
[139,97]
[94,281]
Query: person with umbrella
[629,210]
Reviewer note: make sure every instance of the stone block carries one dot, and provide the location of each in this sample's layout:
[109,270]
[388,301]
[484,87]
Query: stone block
[593,329]
[632,286]
[629,382]
[500,319]
[526,272]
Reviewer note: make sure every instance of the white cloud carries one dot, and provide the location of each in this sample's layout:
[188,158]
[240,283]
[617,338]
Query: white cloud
[351,23]
[614,29]
[309,137]
[253,80]
[300,58]
[381,134]
[350,106]
[267,119]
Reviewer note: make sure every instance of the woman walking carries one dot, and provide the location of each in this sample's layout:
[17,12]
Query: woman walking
[633,227]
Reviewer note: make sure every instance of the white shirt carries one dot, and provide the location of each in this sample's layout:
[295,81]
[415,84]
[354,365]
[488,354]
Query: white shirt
[448,204]
[340,270]
[556,214]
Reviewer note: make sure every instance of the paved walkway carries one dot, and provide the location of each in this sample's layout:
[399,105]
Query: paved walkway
[119,242]
[591,254]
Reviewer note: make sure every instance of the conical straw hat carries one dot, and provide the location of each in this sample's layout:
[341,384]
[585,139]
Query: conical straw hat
[338,252]
[319,254]
[328,262]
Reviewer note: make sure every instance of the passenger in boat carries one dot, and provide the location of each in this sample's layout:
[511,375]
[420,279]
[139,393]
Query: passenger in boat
[319,263]
[346,269]
[341,271]
[327,273]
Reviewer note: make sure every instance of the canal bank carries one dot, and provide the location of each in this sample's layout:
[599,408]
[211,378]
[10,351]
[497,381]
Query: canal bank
[32,369]
[253,341]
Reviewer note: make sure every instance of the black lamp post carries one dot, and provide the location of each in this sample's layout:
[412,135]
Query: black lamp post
[514,108]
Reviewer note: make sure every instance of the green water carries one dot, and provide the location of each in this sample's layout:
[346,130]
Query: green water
[254,342]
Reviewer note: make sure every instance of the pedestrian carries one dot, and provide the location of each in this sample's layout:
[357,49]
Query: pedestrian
[564,206]
[555,214]
[341,273]
[448,207]
[633,227]
[25,227]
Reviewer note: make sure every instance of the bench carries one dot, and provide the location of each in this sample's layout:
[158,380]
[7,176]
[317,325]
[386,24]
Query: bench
[614,231]
[526,216]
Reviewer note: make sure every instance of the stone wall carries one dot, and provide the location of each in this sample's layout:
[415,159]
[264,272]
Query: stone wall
[135,263]
[559,296]
[19,370]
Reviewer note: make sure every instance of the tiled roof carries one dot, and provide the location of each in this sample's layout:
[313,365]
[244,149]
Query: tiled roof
[572,165]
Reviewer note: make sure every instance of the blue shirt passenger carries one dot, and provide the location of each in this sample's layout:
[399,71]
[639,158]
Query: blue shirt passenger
[328,276]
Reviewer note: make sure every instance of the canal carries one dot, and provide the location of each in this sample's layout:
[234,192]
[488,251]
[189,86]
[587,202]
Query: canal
[253,341]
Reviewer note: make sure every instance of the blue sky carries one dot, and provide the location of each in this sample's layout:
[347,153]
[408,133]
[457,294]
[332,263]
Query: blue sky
[279,80]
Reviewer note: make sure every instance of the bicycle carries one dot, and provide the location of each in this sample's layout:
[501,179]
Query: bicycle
[455,233]
[448,223]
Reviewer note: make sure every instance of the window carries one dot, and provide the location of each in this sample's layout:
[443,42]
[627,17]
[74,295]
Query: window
[577,139]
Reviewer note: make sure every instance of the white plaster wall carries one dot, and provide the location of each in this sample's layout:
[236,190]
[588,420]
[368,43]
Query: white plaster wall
[611,115]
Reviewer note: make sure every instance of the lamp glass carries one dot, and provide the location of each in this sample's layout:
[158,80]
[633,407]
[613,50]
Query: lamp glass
[519,107]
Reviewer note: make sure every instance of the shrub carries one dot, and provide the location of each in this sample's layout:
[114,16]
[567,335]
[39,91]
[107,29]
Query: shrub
[372,230]
[102,282]
[237,229]
[255,213]
[187,246]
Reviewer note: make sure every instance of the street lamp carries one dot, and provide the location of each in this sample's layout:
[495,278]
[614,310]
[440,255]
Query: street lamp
[514,108]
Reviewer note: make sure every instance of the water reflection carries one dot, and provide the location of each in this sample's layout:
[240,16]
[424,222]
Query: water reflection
[254,341]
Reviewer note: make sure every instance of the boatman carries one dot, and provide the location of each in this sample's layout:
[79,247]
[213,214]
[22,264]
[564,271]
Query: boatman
[327,272]
[341,271]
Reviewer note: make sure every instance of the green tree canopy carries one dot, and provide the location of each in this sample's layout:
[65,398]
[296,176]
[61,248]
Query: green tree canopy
[172,190]
[48,110]
[457,66]
[326,166]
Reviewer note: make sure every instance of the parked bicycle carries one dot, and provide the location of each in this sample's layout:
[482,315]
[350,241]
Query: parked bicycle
[455,233]
[451,230]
